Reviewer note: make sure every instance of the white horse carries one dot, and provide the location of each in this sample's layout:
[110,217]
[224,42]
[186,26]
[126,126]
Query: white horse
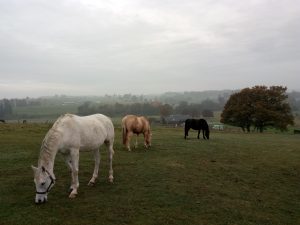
[69,135]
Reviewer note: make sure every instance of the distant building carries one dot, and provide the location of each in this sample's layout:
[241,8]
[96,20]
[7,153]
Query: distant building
[218,127]
[175,120]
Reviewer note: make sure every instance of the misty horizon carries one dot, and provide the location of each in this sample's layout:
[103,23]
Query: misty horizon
[151,95]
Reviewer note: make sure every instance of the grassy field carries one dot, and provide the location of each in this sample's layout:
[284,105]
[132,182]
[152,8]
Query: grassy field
[234,178]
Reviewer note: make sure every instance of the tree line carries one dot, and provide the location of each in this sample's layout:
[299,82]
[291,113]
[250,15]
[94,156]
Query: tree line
[5,108]
[205,108]
[246,114]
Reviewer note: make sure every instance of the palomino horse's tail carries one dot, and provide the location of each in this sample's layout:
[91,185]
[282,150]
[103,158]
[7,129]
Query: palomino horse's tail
[124,131]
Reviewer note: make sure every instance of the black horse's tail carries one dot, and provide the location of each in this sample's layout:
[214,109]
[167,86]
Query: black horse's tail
[186,128]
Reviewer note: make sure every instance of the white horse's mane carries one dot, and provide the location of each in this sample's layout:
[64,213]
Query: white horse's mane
[51,139]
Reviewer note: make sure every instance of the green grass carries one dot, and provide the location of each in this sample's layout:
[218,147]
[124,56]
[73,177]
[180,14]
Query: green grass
[234,178]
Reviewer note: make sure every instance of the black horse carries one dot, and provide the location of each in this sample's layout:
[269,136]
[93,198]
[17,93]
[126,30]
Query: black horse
[199,125]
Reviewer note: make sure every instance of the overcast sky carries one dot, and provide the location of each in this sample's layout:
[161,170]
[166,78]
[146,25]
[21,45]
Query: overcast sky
[95,47]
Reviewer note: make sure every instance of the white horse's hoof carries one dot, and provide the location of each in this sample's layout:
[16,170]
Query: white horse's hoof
[73,193]
[72,196]
[91,184]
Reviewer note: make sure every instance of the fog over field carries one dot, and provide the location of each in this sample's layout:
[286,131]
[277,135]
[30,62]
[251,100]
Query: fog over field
[89,47]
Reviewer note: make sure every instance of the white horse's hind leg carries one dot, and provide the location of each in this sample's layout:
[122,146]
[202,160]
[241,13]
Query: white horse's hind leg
[111,154]
[74,156]
[96,169]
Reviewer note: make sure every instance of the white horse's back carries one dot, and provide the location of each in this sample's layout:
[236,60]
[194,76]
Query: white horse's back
[86,132]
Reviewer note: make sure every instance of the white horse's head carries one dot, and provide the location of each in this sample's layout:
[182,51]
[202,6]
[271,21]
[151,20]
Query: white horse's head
[44,181]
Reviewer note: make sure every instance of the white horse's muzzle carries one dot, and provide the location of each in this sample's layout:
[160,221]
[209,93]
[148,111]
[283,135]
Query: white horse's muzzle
[40,198]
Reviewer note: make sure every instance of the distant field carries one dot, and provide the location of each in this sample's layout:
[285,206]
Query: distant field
[44,112]
[234,178]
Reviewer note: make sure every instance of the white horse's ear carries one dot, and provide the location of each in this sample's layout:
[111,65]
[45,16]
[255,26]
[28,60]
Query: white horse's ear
[34,168]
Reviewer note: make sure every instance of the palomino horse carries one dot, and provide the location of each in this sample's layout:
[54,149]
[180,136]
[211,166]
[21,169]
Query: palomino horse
[69,135]
[195,124]
[132,124]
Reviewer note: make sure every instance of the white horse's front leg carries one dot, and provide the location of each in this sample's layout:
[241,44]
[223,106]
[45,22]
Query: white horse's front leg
[96,169]
[68,160]
[74,155]
[111,154]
